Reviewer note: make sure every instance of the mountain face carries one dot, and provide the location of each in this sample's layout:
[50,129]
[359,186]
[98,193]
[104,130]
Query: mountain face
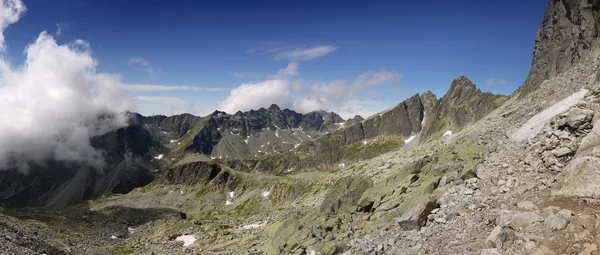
[568,33]
[463,104]
[134,154]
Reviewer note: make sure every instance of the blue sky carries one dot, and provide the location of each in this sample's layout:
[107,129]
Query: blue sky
[346,56]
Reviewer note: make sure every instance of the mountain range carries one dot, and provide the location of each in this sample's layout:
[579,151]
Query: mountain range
[466,173]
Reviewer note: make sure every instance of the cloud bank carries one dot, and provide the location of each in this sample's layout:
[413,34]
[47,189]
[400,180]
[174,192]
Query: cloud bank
[337,95]
[54,102]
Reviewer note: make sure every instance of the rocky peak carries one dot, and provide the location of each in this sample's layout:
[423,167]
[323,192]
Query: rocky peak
[428,99]
[568,33]
[463,104]
[274,108]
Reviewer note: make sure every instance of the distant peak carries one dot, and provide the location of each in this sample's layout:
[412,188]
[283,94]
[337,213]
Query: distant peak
[274,107]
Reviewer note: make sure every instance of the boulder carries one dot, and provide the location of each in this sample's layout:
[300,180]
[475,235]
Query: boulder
[576,117]
[543,250]
[526,205]
[496,238]
[416,217]
[583,172]
[519,220]
[559,220]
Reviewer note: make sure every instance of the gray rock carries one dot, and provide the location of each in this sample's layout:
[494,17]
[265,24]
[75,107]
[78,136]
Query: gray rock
[576,117]
[582,176]
[559,220]
[519,220]
[491,251]
[526,205]
[496,238]
[416,217]
[543,250]
[562,152]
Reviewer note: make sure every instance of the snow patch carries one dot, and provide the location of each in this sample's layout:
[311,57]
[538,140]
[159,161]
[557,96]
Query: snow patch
[212,157]
[131,230]
[266,193]
[448,133]
[186,239]
[179,143]
[364,142]
[413,137]
[246,140]
[254,225]
[342,165]
[160,156]
[534,125]
[232,194]
[181,192]
[227,202]
[172,141]
[164,132]
[113,237]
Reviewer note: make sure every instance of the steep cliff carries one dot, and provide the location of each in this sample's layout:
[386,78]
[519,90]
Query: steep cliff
[568,33]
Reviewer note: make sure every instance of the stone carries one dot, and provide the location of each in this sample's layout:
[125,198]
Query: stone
[582,176]
[530,245]
[416,217]
[558,220]
[576,117]
[519,220]
[589,249]
[543,250]
[468,191]
[496,238]
[491,251]
[562,152]
[526,205]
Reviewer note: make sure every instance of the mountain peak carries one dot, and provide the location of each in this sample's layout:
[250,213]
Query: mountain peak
[274,107]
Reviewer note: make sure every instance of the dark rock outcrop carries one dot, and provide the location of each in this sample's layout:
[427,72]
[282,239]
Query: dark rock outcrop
[568,33]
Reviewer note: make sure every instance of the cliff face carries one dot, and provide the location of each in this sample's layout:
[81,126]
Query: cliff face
[463,104]
[568,33]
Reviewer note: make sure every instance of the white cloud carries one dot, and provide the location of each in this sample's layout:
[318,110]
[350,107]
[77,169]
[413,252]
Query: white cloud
[162,88]
[290,70]
[304,54]
[10,12]
[337,95]
[501,81]
[60,28]
[54,102]
[255,95]
[165,100]
[140,61]
[333,95]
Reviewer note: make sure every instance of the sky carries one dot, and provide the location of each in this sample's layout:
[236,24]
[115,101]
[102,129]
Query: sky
[351,57]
